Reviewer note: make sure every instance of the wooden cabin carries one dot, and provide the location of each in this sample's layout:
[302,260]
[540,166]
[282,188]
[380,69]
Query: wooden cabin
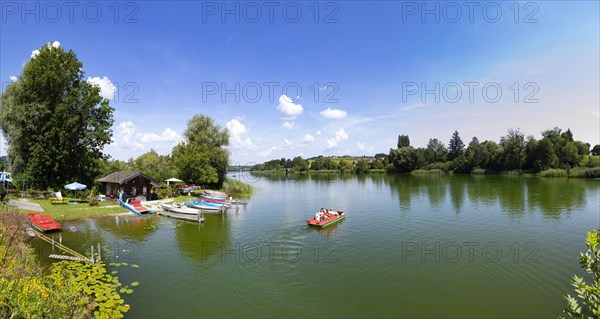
[132,184]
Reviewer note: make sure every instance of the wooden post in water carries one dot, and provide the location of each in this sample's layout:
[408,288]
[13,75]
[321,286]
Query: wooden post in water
[92,249]
[52,242]
[60,238]
[99,253]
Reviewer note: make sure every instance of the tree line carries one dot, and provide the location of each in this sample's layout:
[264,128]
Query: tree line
[320,163]
[557,149]
[57,124]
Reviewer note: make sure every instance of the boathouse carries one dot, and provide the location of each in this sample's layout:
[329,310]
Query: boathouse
[132,184]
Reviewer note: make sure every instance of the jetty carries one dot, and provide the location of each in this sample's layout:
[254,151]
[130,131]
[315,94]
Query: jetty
[71,254]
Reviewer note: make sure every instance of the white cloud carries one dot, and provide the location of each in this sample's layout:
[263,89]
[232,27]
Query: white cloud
[13,78]
[236,129]
[107,88]
[360,146]
[289,125]
[318,132]
[125,133]
[53,44]
[288,108]
[269,151]
[287,142]
[308,139]
[339,137]
[336,114]
[597,114]
[168,135]
[127,137]
[412,106]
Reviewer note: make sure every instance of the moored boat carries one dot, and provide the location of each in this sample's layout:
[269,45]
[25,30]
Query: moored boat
[43,223]
[326,218]
[135,206]
[203,205]
[180,209]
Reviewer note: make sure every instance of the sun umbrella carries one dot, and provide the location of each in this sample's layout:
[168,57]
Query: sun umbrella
[173,179]
[75,187]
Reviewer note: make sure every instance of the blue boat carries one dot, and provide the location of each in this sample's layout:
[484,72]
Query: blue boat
[203,205]
[135,206]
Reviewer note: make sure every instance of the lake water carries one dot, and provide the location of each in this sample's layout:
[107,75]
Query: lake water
[411,246]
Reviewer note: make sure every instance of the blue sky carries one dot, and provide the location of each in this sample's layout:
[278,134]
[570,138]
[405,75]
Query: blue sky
[336,78]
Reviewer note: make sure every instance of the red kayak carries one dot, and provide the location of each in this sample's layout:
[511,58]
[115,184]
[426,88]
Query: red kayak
[42,223]
[325,221]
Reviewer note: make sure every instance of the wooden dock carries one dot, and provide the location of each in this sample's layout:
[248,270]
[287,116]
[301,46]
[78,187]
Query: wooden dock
[72,254]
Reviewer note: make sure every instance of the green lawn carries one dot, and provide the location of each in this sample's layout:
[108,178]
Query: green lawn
[74,211]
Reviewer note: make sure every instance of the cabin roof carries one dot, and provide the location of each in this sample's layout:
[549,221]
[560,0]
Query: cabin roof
[124,177]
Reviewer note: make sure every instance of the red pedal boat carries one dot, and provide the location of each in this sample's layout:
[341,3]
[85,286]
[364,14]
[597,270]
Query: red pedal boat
[325,221]
[42,223]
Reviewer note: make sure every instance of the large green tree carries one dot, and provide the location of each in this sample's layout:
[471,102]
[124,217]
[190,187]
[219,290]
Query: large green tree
[456,147]
[55,122]
[436,151]
[201,158]
[403,141]
[513,154]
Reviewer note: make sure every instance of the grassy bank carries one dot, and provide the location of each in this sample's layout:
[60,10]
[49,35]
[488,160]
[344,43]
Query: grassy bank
[75,211]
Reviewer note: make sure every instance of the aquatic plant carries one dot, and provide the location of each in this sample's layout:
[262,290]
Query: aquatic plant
[588,305]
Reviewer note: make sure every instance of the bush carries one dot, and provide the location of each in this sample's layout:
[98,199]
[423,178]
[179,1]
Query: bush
[236,187]
[478,171]
[444,166]
[553,173]
[93,201]
[585,172]
[164,191]
[589,295]
[426,171]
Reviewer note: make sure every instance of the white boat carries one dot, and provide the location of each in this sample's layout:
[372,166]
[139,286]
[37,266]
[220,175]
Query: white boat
[180,209]
[198,218]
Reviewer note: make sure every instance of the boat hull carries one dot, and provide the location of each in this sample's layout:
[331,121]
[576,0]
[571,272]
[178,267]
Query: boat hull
[204,206]
[137,209]
[327,222]
[179,209]
[43,223]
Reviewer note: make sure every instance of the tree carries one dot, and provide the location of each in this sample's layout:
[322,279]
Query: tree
[588,294]
[596,150]
[378,163]
[201,157]
[436,151]
[345,166]
[544,156]
[403,141]
[361,167]
[154,165]
[55,122]
[299,164]
[404,159]
[512,155]
[456,147]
